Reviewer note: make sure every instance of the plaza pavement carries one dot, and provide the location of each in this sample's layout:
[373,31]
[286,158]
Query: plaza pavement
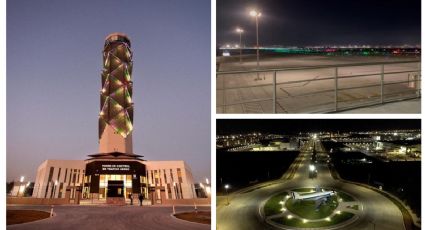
[110,218]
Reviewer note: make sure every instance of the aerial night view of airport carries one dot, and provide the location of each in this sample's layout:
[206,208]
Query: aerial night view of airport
[354,56]
[318,173]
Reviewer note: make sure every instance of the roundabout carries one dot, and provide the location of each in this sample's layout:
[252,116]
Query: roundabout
[269,206]
[284,211]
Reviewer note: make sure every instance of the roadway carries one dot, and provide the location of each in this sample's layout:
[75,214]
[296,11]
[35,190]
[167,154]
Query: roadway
[244,209]
[110,217]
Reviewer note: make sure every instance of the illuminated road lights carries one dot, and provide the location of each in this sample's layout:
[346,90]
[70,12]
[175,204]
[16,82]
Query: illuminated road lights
[240,31]
[289,217]
[227,194]
[312,168]
[256,14]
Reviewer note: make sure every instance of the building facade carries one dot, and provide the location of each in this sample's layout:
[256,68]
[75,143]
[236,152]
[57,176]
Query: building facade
[164,180]
[169,180]
[54,176]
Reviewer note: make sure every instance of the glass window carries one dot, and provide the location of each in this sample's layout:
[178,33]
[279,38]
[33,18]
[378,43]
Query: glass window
[51,173]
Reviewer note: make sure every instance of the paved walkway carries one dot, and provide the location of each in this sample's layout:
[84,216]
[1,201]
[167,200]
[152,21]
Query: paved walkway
[406,107]
[110,217]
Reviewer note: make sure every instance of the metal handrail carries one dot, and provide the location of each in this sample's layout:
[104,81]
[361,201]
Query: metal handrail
[313,67]
[416,79]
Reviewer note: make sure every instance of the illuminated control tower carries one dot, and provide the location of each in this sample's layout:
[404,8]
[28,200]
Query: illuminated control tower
[116,106]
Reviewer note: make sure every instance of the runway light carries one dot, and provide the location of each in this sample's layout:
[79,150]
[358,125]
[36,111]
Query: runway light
[289,217]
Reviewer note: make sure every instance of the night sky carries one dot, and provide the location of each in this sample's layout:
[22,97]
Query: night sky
[325,22]
[293,126]
[54,62]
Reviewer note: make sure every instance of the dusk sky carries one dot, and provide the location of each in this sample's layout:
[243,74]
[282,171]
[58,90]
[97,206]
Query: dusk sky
[291,126]
[325,22]
[54,62]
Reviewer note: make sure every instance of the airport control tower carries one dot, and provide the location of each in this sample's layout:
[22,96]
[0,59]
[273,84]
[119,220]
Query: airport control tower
[116,106]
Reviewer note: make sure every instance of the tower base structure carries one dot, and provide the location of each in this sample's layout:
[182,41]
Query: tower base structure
[113,177]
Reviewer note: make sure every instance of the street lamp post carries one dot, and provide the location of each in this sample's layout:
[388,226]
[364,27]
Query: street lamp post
[227,194]
[175,189]
[21,180]
[256,14]
[52,195]
[240,31]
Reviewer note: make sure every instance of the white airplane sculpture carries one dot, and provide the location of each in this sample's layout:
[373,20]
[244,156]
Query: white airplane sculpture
[320,196]
[317,195]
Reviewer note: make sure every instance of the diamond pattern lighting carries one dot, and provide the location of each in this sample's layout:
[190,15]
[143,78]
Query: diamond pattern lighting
[116,106]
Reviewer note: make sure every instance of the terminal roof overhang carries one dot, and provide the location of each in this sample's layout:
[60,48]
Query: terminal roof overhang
[115,155]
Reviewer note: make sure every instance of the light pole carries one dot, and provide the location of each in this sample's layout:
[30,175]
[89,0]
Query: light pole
[240,31]
[21,180]
[256,14]
[227,194]
[54,188]
[175,191]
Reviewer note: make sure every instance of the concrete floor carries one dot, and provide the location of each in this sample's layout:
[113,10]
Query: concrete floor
[110,218]
[244,93]
[408,106]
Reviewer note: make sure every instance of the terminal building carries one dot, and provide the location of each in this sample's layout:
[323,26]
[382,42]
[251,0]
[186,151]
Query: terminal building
[115,172]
